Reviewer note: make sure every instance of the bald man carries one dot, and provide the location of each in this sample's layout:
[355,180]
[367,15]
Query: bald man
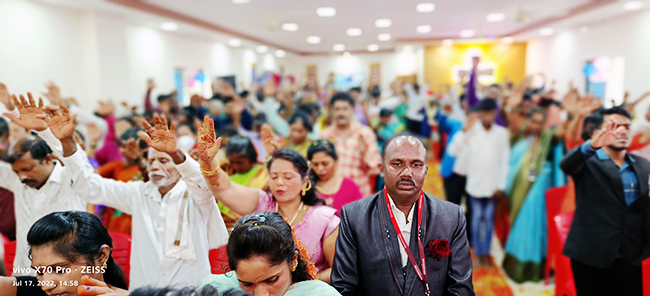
[379,251]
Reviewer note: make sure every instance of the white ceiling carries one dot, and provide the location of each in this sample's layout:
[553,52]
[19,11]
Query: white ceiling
[261,19]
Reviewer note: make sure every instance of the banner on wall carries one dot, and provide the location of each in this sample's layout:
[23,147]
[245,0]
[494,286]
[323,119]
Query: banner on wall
[375,75]
[191,81]
[312,79]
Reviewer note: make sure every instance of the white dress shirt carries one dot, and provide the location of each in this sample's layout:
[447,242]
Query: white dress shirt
[155,260]
[31,204]
[404,226]
[487,156]
[415,102]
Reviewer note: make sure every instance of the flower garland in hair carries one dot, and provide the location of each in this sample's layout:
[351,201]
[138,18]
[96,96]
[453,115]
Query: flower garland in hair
[311,267]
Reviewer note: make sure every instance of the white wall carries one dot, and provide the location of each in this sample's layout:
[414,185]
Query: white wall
[563,56]
[96,56]
[41,43]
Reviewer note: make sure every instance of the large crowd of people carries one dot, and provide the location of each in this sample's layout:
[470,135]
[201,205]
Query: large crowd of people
[317,190]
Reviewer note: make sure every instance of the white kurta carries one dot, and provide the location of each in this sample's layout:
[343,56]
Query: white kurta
[154,226]
[31,204]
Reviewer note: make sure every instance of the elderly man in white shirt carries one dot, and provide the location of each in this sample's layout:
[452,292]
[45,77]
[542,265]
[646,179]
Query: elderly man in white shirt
[41,185]
[176,220]
[486,149]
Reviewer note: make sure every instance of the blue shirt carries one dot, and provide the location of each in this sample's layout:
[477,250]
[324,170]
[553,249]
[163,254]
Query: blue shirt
[450,127]
[628,176]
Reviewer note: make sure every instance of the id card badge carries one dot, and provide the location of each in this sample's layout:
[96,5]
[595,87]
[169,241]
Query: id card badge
[532,175]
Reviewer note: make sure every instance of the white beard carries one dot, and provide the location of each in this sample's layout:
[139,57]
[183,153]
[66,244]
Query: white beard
[164,182]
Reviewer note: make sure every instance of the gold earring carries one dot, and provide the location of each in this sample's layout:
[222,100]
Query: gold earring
[304,190]
[295,265]
[105,265]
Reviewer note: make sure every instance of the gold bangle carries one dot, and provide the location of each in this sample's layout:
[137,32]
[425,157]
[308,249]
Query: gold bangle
[210,173]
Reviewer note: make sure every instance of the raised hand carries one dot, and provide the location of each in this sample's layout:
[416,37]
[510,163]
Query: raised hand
[571,101]
[270,90]
[92,287]
[226,89]
[269,140]
[128,107]
[94,133]
[60,122]
[5,97]
[53,94]
[161,137]
[105,108]
[588,104]
[471,120]
[150,84]
[30,113]
[131,151]
[608,135]
[208,144]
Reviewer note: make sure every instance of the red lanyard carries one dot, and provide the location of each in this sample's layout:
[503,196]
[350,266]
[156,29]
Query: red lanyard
[422,273]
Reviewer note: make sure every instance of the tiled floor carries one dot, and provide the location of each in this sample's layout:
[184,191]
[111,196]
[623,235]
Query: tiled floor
[525,289]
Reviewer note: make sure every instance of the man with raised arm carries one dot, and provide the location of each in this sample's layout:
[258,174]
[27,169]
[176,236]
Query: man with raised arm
[174,214]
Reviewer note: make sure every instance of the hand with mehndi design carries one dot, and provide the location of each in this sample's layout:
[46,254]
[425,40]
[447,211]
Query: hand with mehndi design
[208,145]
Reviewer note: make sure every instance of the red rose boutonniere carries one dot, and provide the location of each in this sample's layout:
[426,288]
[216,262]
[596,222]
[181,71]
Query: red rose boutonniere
[439,248]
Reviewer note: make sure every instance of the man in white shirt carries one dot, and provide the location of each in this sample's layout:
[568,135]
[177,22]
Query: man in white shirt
[176,220]
[41,185]
[415,103]
[487,148]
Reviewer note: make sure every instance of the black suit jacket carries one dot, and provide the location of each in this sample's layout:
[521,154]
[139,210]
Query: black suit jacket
[368,260]
[604,226]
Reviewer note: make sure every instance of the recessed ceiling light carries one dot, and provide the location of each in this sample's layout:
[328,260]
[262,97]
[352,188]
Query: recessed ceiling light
[338,47]
[546,32]
[234,42]
[425,7]
[313,39]
[584,29]
[448,42]
[467,33]
[507,40]
[423,29]
[326,11]
[280,53]
[633,5]
[169,26]
[347,54]
[241,1]
[290,27]
[383,23]
[354,32]
[495,17]
[373,47]
[262,49]
[384,37]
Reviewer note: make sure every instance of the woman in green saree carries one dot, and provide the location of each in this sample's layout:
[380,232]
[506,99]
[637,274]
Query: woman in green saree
[266,260]
[534,163]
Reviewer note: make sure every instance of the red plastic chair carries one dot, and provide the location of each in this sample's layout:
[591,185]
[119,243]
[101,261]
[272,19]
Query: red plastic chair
[646,277]
[564,283]
[122,253]
[554,198]
[219,260]
[10,254]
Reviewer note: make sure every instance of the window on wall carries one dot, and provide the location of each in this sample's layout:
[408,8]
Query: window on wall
[604,78]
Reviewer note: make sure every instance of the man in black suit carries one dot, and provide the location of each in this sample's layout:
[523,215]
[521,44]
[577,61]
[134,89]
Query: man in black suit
[370,255]
[610,233]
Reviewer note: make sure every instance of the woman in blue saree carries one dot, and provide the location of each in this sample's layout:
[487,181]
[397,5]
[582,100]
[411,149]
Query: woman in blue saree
[534,163]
